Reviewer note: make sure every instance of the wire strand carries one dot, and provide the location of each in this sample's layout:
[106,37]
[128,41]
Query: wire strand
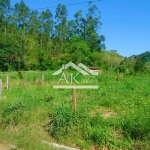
[69,4]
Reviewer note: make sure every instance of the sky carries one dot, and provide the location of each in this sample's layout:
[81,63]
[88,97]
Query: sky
[125,23]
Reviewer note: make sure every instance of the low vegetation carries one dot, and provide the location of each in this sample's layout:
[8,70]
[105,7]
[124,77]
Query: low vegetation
[115,116]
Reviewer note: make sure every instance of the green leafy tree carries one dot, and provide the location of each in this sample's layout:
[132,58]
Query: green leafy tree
[12,26]
[61,25]
[79,24]
[4,11]
[80,50]
[126,65]
[93,24]
[33,23]
[96,59]
[139,66]
[71,29]
[11,57]
[31,40]
[21,12]
[22,15]
[45,26]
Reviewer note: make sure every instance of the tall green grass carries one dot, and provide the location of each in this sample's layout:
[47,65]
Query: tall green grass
[115,116]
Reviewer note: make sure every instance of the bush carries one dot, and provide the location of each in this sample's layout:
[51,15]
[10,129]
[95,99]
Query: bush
[139,66]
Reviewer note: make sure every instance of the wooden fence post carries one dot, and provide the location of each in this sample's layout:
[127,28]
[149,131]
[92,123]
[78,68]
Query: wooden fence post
[7,82]
[74,98]
[21,78]
[0,88]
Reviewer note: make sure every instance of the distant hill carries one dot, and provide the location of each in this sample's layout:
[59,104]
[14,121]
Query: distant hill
[145,56]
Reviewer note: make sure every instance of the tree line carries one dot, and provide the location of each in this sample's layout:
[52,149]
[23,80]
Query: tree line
[33,40]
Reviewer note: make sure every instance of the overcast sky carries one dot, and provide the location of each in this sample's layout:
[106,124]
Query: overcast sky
[126,23]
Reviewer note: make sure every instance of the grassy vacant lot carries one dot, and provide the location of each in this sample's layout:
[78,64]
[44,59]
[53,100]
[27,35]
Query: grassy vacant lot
[115,116]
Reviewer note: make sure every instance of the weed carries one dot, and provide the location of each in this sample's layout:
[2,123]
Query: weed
[12,114]
[136,126]
[27,111]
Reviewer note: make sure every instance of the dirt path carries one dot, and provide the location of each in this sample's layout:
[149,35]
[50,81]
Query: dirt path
[7,147]
[4,147]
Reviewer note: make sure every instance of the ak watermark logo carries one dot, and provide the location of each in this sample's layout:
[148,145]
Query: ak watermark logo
[75,76]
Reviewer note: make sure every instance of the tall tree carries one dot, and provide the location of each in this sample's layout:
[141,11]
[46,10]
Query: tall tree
[71,29]
[12,26]
[4,11]
[61,25]
[37,37]
[45,25]
[11,57]
[93,25]
[21,11]
[80,23]
[33,23]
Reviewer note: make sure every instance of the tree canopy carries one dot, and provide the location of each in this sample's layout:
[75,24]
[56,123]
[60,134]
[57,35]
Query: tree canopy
[33,40]
[40,40]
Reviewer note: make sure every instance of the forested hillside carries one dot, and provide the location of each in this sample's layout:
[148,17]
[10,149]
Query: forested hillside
[33,40]
[41,40]
[145,56]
